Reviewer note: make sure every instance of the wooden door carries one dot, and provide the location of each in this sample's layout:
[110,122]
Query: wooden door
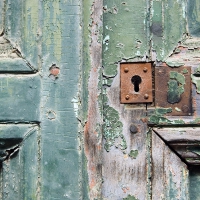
[39,71]
[151,150]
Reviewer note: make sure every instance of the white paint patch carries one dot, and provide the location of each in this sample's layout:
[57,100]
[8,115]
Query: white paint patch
[75,102]
[107,38]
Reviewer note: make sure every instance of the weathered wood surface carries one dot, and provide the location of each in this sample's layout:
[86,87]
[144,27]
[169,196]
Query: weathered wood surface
[125,163]
[36,36]
[185,142]
[169,173]
[125,170]
[163,39]
[92,103]
[178,134]
[19,161]
[67,149]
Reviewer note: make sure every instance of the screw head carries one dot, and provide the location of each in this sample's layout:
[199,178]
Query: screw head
[133,129]
[185,108]
[146,96]
[127,97]
[145,69]
[126,70]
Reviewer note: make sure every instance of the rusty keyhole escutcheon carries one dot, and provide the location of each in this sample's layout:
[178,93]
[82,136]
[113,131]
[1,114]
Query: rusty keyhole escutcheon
[136,83]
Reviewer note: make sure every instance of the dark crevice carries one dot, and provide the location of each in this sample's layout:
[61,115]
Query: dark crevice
[11,152]
[19,122]
[18,72]
[197,74]
[173,125]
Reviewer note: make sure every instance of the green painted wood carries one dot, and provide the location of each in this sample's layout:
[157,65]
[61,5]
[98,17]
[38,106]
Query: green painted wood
[20,98]
[22,28]
[19,171]
[194,182]
[61,43]
[168,26]
[193,16]
[48,165]
[125,32]
[17,66]
[2,15]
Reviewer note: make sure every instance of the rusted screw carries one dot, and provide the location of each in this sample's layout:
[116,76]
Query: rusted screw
[145,70]
[185,108]
[133,129]
[126,70]
[127,97]
[146,96]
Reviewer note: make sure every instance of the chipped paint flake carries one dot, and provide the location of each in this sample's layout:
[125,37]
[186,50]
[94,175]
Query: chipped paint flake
[113,130]
[133,154]
[177,109]
[158,116]
[175,87]
[130,197]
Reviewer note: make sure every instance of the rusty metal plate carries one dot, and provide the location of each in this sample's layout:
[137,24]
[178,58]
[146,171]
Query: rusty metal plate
[173,89]
[136,82]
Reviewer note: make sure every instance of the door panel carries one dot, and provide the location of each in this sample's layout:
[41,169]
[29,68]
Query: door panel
[145,163]
[37,39]
[20,98]
[19,161]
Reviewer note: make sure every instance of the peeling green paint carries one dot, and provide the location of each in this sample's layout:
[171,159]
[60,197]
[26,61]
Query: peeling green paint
[178,121]
[112,129]
[157,116]
[196,121]
[177,76]
[184,71]
[193,17]
[157,119]
[133,154]
[130,197]
[162,111]
[168,26]
[107,81]
[174,64]
[175,87]
[121,38]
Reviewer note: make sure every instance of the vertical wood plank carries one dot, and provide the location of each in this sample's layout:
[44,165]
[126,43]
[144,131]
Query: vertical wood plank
[22,28]
[2,15]
[168,24]
[125,33]
[125,168]
[61,45]
[91,106]
[125,38]
[170,175]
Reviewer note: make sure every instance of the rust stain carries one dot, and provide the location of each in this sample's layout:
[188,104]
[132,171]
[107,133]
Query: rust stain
[92,129]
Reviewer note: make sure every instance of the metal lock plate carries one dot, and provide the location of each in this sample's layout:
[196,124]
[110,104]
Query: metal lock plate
[136,82]
[173,89]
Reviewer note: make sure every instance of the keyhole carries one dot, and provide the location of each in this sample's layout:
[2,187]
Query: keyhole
[136,80]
